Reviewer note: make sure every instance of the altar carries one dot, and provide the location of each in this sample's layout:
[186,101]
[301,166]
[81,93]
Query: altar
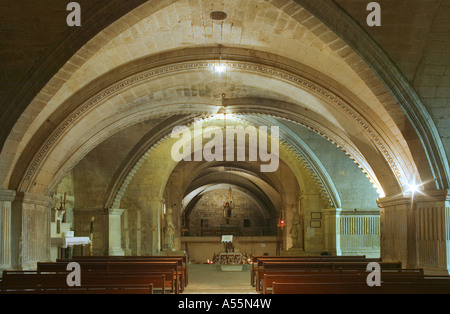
[232,258]
[61,236]
[60,244]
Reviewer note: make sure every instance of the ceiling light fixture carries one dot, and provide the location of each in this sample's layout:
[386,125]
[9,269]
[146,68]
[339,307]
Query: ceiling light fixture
[218,15]
[220,68]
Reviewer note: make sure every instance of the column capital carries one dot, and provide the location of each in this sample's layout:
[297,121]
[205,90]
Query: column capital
[421,196]
[7,195]
[331,211]
[33,198]
[115,211]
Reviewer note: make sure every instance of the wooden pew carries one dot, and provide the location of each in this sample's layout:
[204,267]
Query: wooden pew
[259,260]
[403,287]
[118,266]
[346,276]
[104,289]
[36,282]
[277,267]
[105,268]
[182,260]
[331,265]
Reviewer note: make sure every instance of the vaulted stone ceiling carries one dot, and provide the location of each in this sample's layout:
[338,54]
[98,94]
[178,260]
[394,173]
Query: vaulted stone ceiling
[414,33]
[38,45]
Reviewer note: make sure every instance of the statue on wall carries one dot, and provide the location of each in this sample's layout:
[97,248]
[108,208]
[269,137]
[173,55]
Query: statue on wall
[296,229]
[170,230]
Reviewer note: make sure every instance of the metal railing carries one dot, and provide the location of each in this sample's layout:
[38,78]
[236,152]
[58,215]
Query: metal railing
[236,231]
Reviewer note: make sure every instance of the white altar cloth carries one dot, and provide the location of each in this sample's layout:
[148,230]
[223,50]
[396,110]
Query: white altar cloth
[65,242]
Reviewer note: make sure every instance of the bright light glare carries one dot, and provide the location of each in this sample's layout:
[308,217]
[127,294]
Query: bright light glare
[414,188]
[220,68]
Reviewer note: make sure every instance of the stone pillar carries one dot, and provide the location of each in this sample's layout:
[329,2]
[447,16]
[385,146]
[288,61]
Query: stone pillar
[30,230]
[115,232]
[332,224]
[432,225]
[150,221]
[126,230]
[6,198]
[415,230]
[156,206]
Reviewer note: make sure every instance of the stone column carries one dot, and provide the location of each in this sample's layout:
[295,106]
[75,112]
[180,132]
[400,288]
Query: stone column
[115,232]
[332,225]
[415,230]
[30,230]
[156,206]
[6,198]
[150,221]
[432,223]
[126,230]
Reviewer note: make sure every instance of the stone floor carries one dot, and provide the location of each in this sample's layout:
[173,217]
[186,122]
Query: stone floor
[209,279]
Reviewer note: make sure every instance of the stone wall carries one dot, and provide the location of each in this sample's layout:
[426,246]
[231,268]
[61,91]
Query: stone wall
[354,188]
[209,211]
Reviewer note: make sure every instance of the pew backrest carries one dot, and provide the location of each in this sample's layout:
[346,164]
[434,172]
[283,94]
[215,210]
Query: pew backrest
[31,279]
[362,288]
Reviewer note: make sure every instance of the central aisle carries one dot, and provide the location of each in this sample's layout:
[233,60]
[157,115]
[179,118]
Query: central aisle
[209,279]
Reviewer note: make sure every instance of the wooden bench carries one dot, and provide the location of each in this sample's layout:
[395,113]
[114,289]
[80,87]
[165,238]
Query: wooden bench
[175,279]
[182,260]
[105,289]
[259,260]
[277,267]
[403,287]
[36,282]
[345,276]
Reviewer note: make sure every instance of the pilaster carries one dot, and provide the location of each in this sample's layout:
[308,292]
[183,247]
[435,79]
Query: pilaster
[6,199]
[30,230]
[332,230]
[156,207]
[415,230]
[115,232]
[150,221]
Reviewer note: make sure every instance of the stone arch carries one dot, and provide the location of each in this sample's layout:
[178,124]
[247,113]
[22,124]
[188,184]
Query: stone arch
[144,148]
[122,84]
[294,144]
